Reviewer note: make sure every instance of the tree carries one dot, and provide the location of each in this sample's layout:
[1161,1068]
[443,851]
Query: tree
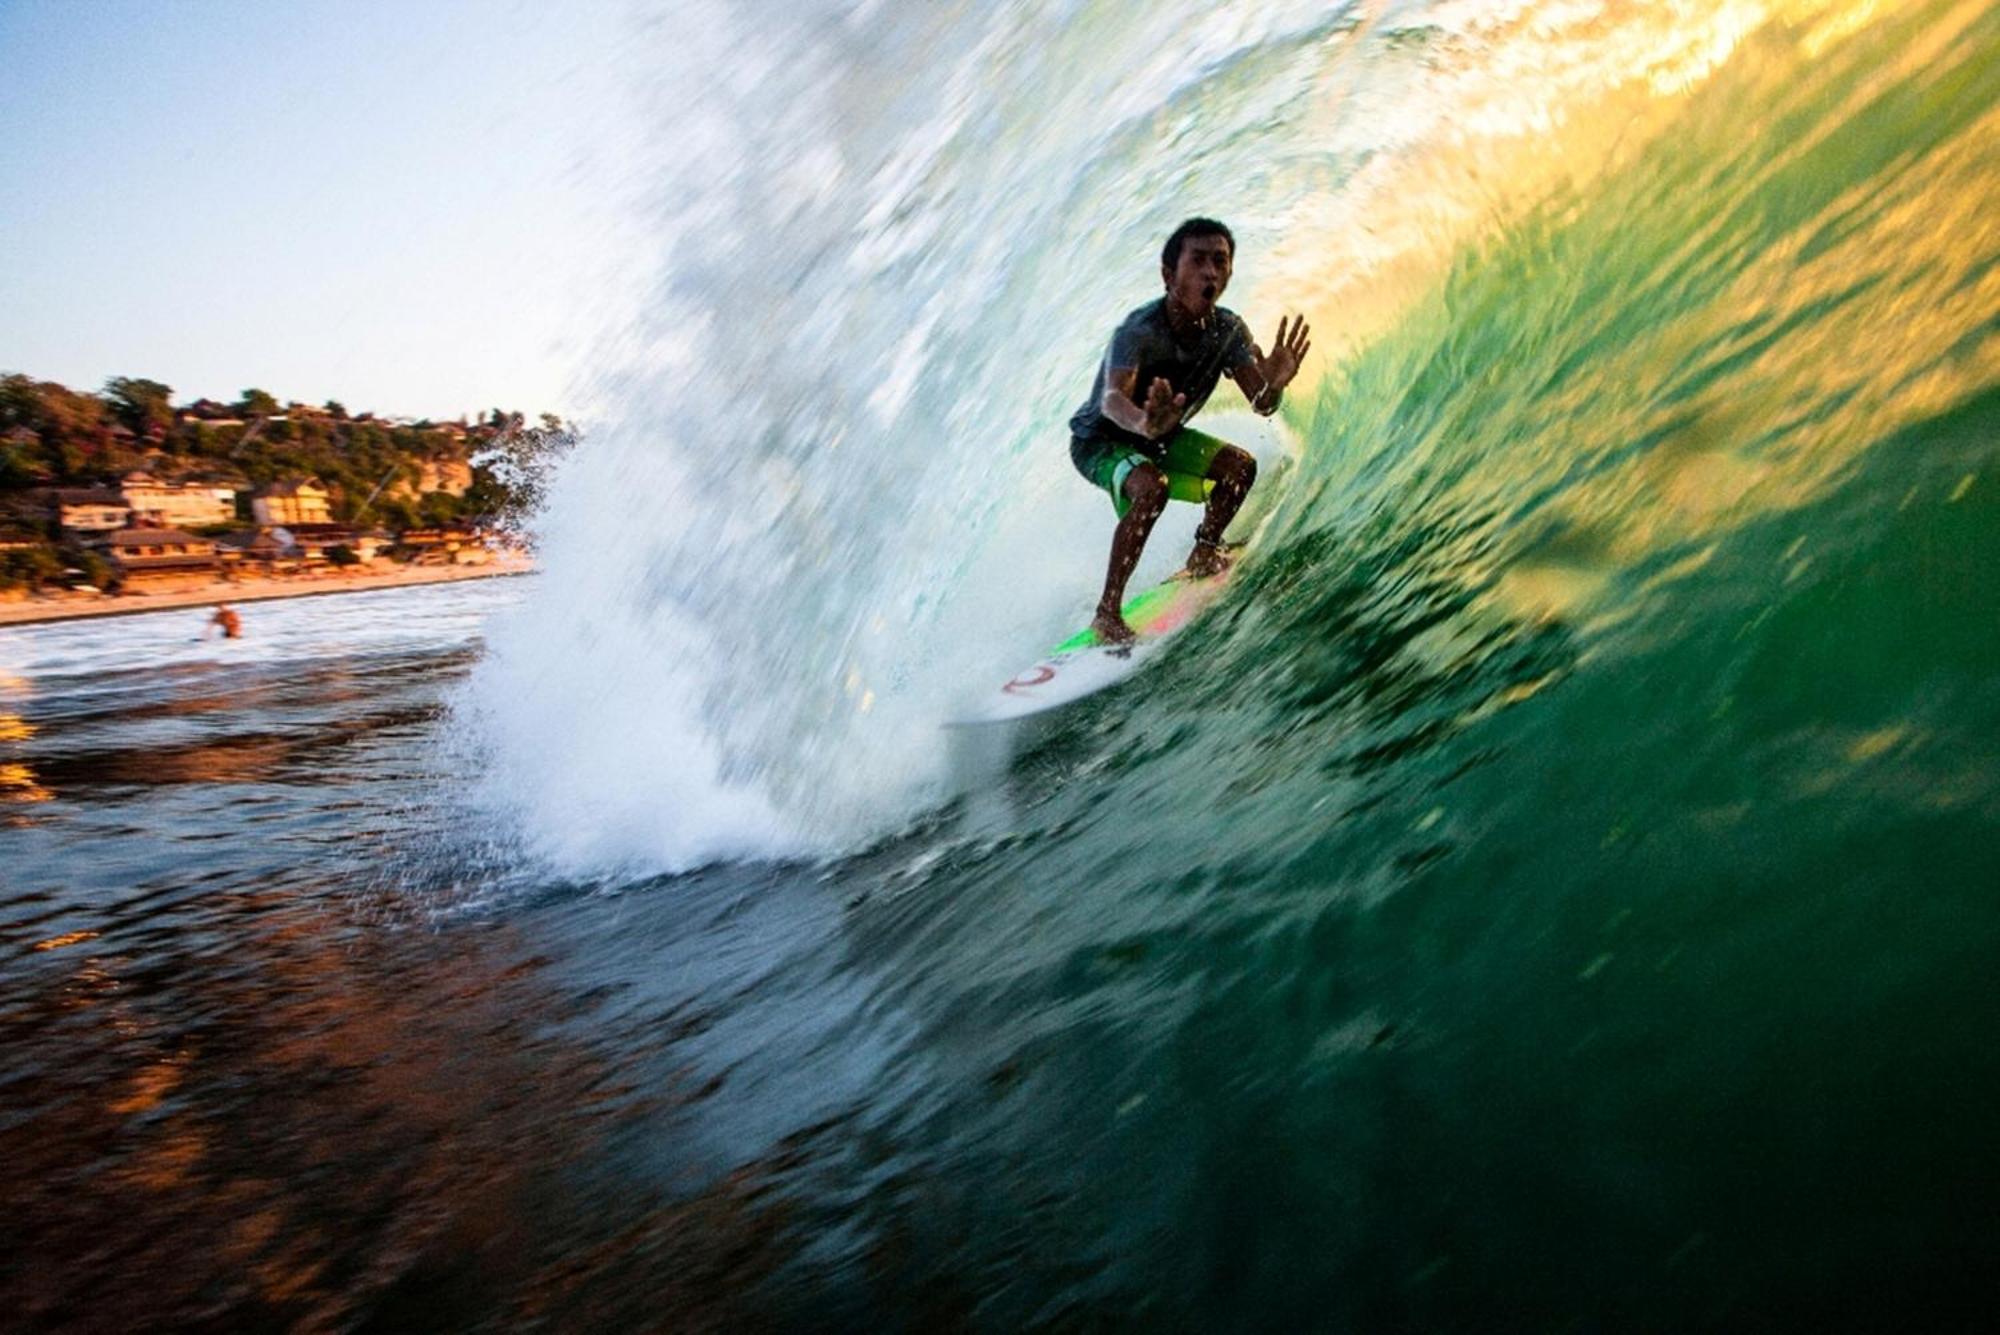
[438,508]
[30,566]
[257,403]
[393,512]
[20,468]
[71,430]
[17,402]
[336,410]
[145,407]
[97,572]
[510,475]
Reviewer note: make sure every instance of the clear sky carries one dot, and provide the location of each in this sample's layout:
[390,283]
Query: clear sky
[402,204]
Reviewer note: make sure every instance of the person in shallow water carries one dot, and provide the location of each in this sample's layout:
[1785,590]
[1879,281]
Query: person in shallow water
[227,621]
[1140,450]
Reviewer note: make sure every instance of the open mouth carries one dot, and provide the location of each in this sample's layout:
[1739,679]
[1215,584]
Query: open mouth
[1208,292]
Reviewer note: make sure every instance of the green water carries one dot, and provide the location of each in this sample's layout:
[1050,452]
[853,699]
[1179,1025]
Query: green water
[1558,887]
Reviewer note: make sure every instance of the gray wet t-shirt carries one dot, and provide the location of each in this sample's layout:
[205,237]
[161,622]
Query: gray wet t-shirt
[1192,364]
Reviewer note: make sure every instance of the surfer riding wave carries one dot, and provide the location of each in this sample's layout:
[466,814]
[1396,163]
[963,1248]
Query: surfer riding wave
[1141,451]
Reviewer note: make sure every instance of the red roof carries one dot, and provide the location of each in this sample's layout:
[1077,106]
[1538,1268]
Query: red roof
[149,537]
[174,561]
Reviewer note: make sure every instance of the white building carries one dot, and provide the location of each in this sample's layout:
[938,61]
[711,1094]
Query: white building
[179,504]
[296,501]
[89,510]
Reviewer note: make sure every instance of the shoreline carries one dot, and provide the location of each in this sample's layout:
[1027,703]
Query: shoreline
[35,610]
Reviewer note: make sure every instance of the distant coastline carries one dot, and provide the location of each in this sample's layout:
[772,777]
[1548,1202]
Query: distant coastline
[122,501]
[42,608]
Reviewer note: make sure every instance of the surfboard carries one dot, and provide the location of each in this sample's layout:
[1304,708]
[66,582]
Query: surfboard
[1081,666]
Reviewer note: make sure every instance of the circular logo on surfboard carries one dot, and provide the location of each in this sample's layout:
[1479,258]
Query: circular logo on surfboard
[1034,676]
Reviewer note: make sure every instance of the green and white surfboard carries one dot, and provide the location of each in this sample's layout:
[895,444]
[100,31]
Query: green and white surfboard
[1082,666]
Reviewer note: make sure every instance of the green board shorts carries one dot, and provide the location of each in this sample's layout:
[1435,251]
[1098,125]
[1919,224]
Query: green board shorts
[1189,453]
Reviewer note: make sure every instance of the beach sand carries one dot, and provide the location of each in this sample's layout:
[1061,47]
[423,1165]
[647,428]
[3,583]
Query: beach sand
[71,606]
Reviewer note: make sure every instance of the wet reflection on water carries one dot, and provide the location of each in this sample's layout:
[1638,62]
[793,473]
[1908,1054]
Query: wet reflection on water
[241,1086]
[242,1110]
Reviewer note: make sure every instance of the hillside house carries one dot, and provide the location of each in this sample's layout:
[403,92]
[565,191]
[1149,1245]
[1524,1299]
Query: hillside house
[295,501]
[315,541]
[154,558]
[260,550]
[82,512]
[178,504]
[448,546]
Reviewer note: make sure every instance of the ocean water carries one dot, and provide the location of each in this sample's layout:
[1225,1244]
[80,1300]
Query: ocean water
[1554,889]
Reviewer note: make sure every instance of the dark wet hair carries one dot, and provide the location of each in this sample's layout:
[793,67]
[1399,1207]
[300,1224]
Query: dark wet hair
[1170,254]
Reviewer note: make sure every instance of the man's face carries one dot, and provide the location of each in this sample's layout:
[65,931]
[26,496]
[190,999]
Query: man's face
[1200,275]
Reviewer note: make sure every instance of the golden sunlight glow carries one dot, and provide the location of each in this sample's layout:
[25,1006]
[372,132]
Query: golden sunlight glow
[151,1084]
[66,939]
[1555,99]
[1872,302]
[17,784]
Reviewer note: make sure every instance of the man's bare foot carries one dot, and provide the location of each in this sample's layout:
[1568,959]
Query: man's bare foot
[1208,558]
[1111,628]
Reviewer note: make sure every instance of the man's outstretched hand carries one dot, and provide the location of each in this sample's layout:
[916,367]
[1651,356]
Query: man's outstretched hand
[1163,408]
[1294,341]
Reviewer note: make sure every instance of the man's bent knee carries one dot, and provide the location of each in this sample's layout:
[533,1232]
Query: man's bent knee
[1146,488]
[1234,464]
